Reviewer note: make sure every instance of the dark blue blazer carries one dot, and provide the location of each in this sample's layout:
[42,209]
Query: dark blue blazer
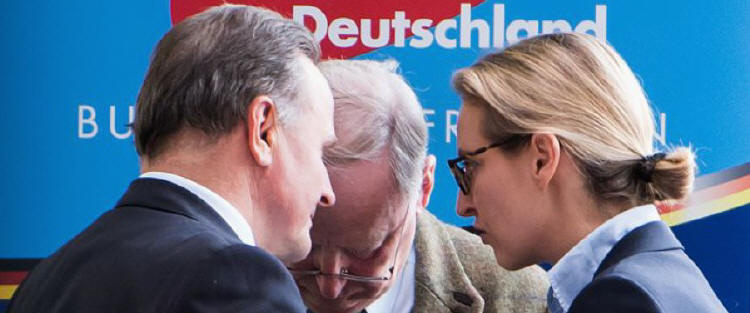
[647,271]
[162,249]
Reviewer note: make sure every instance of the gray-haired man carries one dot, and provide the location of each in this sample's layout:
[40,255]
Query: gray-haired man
[378,249]
[231,175]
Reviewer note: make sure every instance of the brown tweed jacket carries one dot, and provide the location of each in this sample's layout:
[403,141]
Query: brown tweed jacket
[455,272]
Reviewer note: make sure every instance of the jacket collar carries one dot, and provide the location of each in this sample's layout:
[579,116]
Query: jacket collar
[654,236]
[439,270]
[161,195]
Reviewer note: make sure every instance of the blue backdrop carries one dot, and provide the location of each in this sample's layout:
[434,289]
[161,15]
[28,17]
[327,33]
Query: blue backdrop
[71,71]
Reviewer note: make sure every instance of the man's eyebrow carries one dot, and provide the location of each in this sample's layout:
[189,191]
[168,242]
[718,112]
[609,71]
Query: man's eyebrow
[461,152]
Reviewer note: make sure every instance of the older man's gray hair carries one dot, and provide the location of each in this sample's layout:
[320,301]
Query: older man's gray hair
[208,68]
[374,110]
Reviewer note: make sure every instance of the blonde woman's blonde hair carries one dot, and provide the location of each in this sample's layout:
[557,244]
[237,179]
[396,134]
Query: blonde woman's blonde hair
[579,89]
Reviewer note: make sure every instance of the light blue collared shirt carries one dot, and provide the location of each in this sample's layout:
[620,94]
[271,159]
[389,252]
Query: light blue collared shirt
[576,268]
[226,210]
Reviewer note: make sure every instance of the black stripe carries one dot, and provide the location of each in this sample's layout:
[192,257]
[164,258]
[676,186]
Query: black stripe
[713,179]
[18,264]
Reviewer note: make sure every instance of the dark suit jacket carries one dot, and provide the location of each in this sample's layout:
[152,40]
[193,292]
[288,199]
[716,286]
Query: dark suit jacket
[162,249]
[647,271]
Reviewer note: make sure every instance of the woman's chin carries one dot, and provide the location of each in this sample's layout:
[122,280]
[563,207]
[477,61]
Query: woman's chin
[506,261]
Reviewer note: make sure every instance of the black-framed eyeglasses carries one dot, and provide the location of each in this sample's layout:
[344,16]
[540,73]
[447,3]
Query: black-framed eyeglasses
[461,166]
[344,273]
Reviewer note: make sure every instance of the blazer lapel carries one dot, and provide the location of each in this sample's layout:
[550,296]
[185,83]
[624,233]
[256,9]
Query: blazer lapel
[441,282]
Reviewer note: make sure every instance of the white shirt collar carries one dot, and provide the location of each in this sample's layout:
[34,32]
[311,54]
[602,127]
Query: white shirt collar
[576,268]
[400,297]
[226,210]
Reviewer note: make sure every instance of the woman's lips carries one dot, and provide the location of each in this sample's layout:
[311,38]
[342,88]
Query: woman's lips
[474,230]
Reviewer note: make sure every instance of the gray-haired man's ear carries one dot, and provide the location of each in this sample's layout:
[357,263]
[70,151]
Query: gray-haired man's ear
[262,130]
[428,181]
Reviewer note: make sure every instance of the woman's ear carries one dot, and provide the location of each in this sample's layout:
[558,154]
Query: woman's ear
[545,151]
[262,129]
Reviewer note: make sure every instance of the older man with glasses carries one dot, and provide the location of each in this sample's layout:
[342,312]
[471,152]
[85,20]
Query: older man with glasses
[378,249]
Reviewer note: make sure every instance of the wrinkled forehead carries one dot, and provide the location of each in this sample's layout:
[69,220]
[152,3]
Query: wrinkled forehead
[368,207]
[358,237]
[356,229]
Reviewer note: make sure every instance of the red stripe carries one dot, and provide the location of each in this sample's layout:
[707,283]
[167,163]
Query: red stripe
[12,278]
[666,208]
[719,191]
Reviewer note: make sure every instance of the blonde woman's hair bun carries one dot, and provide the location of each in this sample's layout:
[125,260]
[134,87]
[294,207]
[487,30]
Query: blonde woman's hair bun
[672,177]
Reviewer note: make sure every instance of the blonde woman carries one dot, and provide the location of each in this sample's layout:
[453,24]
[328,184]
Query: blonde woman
[557,164]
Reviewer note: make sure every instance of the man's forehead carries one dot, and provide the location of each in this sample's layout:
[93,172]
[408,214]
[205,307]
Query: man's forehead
[369,184]
[355,229]
[352,236]
[324,104]
[366,206]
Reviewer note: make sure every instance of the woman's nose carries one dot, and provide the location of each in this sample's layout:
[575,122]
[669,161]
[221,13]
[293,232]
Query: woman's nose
[464,207]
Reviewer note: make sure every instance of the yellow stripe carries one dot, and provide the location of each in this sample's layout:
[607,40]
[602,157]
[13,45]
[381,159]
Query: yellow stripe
[707,208]
[6,291]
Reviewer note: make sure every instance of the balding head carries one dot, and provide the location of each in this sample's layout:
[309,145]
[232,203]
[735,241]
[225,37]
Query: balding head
[376,112]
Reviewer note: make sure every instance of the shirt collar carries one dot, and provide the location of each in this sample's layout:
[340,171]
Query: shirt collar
[400,297]
[576,268]
[226,210]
